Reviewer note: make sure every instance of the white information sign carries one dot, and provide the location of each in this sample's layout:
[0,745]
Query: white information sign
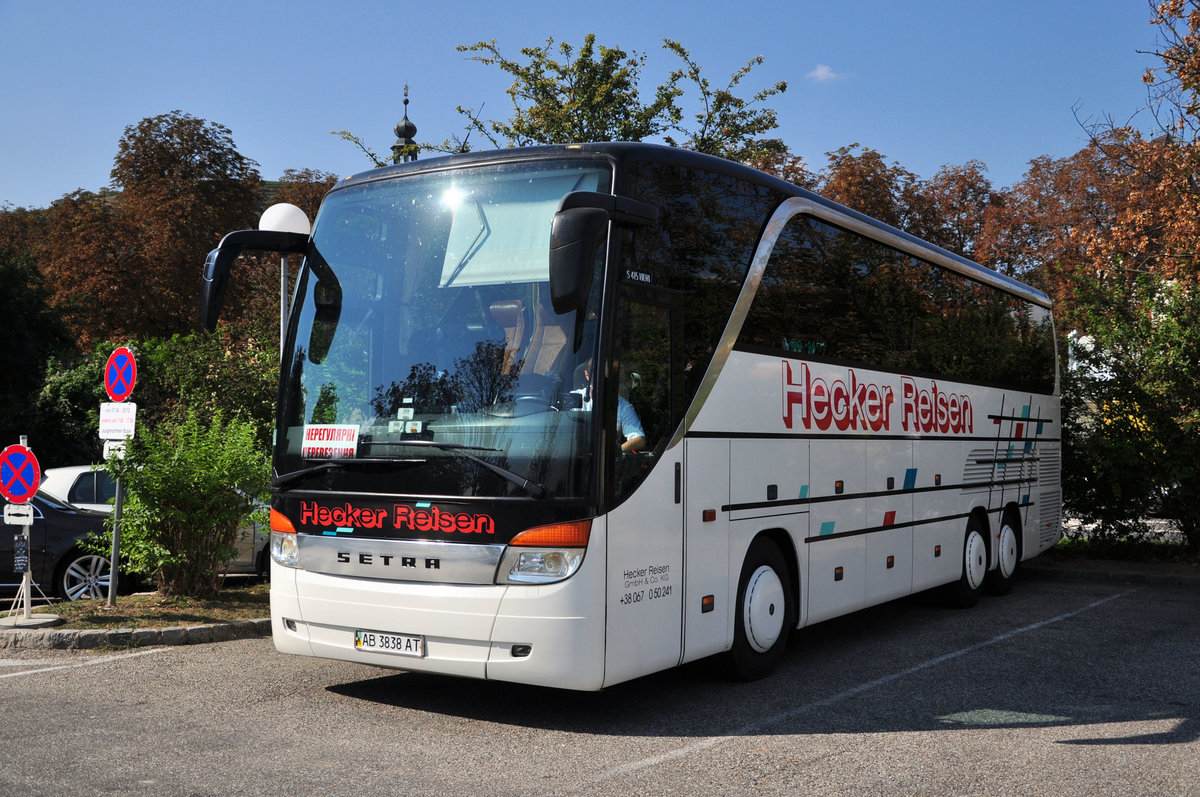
[18,514]
[117,420]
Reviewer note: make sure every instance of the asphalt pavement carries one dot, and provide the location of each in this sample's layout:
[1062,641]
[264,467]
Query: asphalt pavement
[1053,567]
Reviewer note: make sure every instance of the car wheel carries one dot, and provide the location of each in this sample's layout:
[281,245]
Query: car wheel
[82,576]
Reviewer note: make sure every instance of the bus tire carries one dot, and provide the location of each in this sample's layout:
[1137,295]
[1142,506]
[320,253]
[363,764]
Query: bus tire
[965,592]
[1008,555]
[764,613]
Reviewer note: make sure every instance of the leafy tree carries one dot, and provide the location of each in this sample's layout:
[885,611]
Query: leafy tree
[859,178]
[1132,410]
[563,94]
[29,327]
[1126,273]
[589,94]
[88,263]
[954,207]
[68,407]
[727,125]
[785,166]
[1174,87]
[190,484]
[125,264]
[305,188]
[1050,223]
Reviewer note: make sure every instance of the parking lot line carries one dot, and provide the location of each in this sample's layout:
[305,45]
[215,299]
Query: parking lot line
[73,665]
[765,722]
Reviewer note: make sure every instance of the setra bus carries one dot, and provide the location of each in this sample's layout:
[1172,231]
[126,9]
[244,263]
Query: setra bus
[570,415]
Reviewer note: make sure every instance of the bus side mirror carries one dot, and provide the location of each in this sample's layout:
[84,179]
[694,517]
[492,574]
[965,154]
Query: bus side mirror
[214,279]
[327,296]
[575,234]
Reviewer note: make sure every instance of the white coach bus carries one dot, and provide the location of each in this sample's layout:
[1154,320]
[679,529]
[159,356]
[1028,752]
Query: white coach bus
[571,415]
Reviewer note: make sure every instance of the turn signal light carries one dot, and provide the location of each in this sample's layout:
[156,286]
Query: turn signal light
[280,523]
[556,535]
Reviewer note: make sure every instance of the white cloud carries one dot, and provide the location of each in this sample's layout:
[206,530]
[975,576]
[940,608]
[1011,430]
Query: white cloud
[823,74]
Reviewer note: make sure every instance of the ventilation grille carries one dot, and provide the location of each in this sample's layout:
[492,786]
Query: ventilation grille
[1050,470]
[1049,517]
[986,466]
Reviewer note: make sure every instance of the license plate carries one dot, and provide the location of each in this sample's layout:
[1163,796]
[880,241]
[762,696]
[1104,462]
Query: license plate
[400,644]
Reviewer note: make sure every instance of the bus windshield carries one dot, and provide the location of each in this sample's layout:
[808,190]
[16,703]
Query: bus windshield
[424,357]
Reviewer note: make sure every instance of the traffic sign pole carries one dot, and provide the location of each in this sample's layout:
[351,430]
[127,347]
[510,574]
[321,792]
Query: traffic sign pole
[20,476]
[115,559]
[117,423]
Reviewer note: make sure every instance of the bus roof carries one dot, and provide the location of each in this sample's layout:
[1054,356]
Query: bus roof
[622,152]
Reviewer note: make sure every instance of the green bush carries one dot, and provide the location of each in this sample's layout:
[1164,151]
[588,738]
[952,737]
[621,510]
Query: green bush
[188,485]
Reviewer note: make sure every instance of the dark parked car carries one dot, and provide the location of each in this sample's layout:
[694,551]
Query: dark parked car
[90,487]
[59,565]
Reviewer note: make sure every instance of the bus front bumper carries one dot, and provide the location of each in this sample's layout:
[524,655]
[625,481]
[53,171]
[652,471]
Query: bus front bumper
[550,635]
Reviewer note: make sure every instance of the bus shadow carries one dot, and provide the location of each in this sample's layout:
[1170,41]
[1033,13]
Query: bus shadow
[838,677]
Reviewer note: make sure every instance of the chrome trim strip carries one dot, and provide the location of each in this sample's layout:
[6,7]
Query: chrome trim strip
[421,561]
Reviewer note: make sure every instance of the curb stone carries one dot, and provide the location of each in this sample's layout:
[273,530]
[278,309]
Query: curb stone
[60,639]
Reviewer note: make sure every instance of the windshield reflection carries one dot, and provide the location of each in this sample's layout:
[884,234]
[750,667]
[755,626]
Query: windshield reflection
[442,335]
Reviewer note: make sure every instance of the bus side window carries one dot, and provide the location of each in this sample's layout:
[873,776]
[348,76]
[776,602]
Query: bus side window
[644,379]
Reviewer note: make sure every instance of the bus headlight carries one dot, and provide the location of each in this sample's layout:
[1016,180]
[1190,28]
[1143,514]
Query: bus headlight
[545,554]
[284,549]
[538,565]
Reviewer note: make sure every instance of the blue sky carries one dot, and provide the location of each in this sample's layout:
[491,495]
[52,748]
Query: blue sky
[924,83]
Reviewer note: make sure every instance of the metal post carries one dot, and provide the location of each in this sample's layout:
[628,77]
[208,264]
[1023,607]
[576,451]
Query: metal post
[27,577]
[116,547]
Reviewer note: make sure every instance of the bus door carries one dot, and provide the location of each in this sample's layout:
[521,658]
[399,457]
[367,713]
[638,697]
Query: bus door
[708,601]
[645,529]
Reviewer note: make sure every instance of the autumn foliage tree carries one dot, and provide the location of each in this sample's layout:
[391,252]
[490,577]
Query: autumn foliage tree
[1126,273]
[124,262]
[304,188]
[184,185]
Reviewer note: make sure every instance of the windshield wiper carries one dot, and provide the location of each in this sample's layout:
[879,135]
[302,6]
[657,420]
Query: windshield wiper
[535,489]
[476,244]
[284,479]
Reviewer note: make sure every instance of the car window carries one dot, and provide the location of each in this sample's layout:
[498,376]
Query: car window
[106,488]
[83,491]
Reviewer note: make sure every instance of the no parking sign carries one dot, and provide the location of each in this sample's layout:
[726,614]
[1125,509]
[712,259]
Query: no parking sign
[20,474]
[120,374]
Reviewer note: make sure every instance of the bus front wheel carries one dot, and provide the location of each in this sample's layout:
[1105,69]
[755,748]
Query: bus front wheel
[764,613]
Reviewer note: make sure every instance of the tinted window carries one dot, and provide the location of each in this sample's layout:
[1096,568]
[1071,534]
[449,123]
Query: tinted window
[701,252]
[83,491]
[829,293]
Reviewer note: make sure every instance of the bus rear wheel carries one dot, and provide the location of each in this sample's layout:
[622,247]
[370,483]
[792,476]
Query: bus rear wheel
[764,614]
[965,592]
[1008,555]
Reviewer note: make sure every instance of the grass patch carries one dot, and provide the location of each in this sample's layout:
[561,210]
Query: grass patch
[152,610]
